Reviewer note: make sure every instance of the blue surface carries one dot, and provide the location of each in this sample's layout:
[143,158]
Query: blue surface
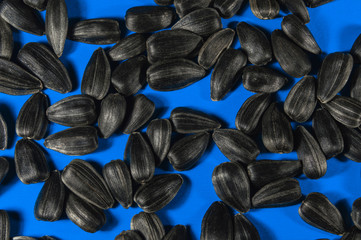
[335,26]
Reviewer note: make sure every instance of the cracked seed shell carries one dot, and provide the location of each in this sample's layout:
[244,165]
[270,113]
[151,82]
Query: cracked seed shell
[353,234]
[356,213]
[352,141]
[3,134]
[6,40]
[355,88]
[178,232]
[148,225]
[128,47]
[183,7]
[4,168]
[39,5]
[356,50]
[316,3]
[244,229]
[265,9]
[4,225]
[129,235]
[227,8]
[298,8]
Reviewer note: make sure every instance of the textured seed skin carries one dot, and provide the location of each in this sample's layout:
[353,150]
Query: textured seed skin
[232,186]
[178,232]
[204,22]
[186,152]
[316,3]
[174,74]
[97,31]
[128,47]
[30,162]
[356,213]
[301,100]
[129,235]
[84,181]
[119,180]
[3,134]
[235,145]
[227,73]
[112,113]
[265,171]
[96,78]
[254,43]
[217,223]
[43,62]
[183,7]
[353,234]
[76,110]
[39,5]
[146,19]
[244,229]
[186,120]
[265,9]
[263,79]
[149,225]
[290,56]
[163,2]
[352,141]
[6,40]
[319,212]
[228,8]
[4,225]
[277,135]
[4,168]
[298,8]
[355,88]
[85,215]
[356,50]
[50,201]
[75,141]
[310,153]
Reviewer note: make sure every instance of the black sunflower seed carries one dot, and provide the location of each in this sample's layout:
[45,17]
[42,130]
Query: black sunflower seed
[352,141]
[129,235]
[228,8]
[6,40]
[39,5]
[353,234]
[183,7]
[178,232]
[316,3]
[244,229]
[4,225]
[128,47]
[149,225]
[4,168]
[47,238]
[265,9]
[356,213]
[163,2]
[3,133]
[298,8]
[355,88]
[23,238]
[356,49]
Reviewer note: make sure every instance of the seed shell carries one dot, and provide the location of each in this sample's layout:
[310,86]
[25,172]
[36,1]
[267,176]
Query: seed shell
[244,229]
[128,47]
[356,213]
[183,7]
[316,3]
[39,5]
[6,40]
[163,2]
[4,225]
[352,140]
[23,238]
[178,232]
[353,234]
[355,88]
[227,8]
[3,134]
[47,238]
[298,8]
[129,235]
[4,168]
[265,9]
[149,225]
[356,50]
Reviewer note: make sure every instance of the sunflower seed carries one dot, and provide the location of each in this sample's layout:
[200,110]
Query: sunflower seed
[228,8]
[50,201]
[3,134]
[244,229]
[178,232]
[265,10]
[319,212]
[129,235]
[227,73]
[352,141]
[47,238]
[43,62]
[265,171]
[328,134]
[310,153]
[353,234]
[79,175]
[30,162]
[355,89]
[22,17]
[277,135]
[112,113]
[333,76]
[95,31]
[23,238]
[290,56]
[159,133]
[4,168]
[117,176]
[298,8]
[85,215]
[356,213]
[231,183]
[217,223]
[6,40]
[146,19]
[204,22]
[254,43]
[149,225]
[183,7]
[174,74]
[76,110]
[141,158]
[301,100]
[163,2]
[356,50]
[128,47]
[39,5]
[316,3]
[4,225]
[263,79]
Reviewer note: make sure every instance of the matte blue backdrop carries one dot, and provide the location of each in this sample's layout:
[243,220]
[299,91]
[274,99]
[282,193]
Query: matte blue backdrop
[335,27]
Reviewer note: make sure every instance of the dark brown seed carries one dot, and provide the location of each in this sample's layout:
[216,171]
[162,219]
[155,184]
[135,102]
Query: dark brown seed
[50,202]
[298,8]
[265,9]
[352,140]
[178,232]
[356,213]
[244,229]
[149,225]
[227,73]
[3,133]
[263,79]
[75,141]
[353,234]
[95,31]
[4,168]
[254,43]
[228,8]
[235,145]
[355,89]
[290,56]
[43,62]
[146,19]
[117,176]
[310,153]
[76,110]
[232,186]
[128,47]
[30,162]
[4,225]
[183,7]
[163,2]
[6,40]
[84,181]
[129,235]
[39,5]
[316,3]
[217,223]
[319,212]
[186,152]
[356,50]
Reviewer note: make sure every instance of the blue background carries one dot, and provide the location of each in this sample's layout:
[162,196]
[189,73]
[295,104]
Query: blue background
[335,26]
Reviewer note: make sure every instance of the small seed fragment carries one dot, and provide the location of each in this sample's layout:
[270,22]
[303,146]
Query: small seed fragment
[6,40]
[39,5]
[228,8]
[353,234]
[4,168]
[298,8]
[356,213]
[128,47]
[265,10]
[355,88]
[316,3]
[244,229]
[183,7]
[356,50]
[129,235]
[352,140]
[178,232]
[4,225]
[163,2]
[3,134]
[149,225]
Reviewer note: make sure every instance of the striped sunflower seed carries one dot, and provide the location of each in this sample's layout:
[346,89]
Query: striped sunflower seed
[232,186]
[183,7]
[85,215]
[227,73]
[265,10]
[353,234]
[129,235]
[228,8]
[30,162]
[298,8]
[254,43]
[99,31]
[164,2]
[119,180]
[4,168]
[355,89]
[4,225]
[356,49]
[78,175]
[178,232]
[316,3]
[50,201]
[356,213]
[39,5]
[96,78]
[23,238]
[128,47]
[217,223]
[352,141]
[244,229]
[6,40]
[148,225]
[186,152]
[319,212]
[235,145]
[3,133]
[76,110]
[310,153]
[147,19]
[44,64]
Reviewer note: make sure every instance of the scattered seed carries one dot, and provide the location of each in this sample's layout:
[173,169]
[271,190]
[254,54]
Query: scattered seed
[178,232]
[356,50]
[298,8]
[39,5]
[355,89]
[244,229]
[3,134]
[352,140]
[265,10]
[183,7]
[163,2]
[128,47]
[6,40]
[4,225]
[4,168]
[356,213]
[23,238]
[129,235]
[149,225]
[353,234]
[228,8]
[47,238]
[316,3]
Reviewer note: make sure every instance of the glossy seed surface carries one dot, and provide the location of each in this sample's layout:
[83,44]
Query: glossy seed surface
[128,47]
[244,229]
[178,232]
[39,5]
[4,225]
[352,141]
[6,40]
[129,235]
[149,225]
[356,49]
[265,9]
[3,133]
[297,8]
[4,168]
[183,7]
[228,8]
